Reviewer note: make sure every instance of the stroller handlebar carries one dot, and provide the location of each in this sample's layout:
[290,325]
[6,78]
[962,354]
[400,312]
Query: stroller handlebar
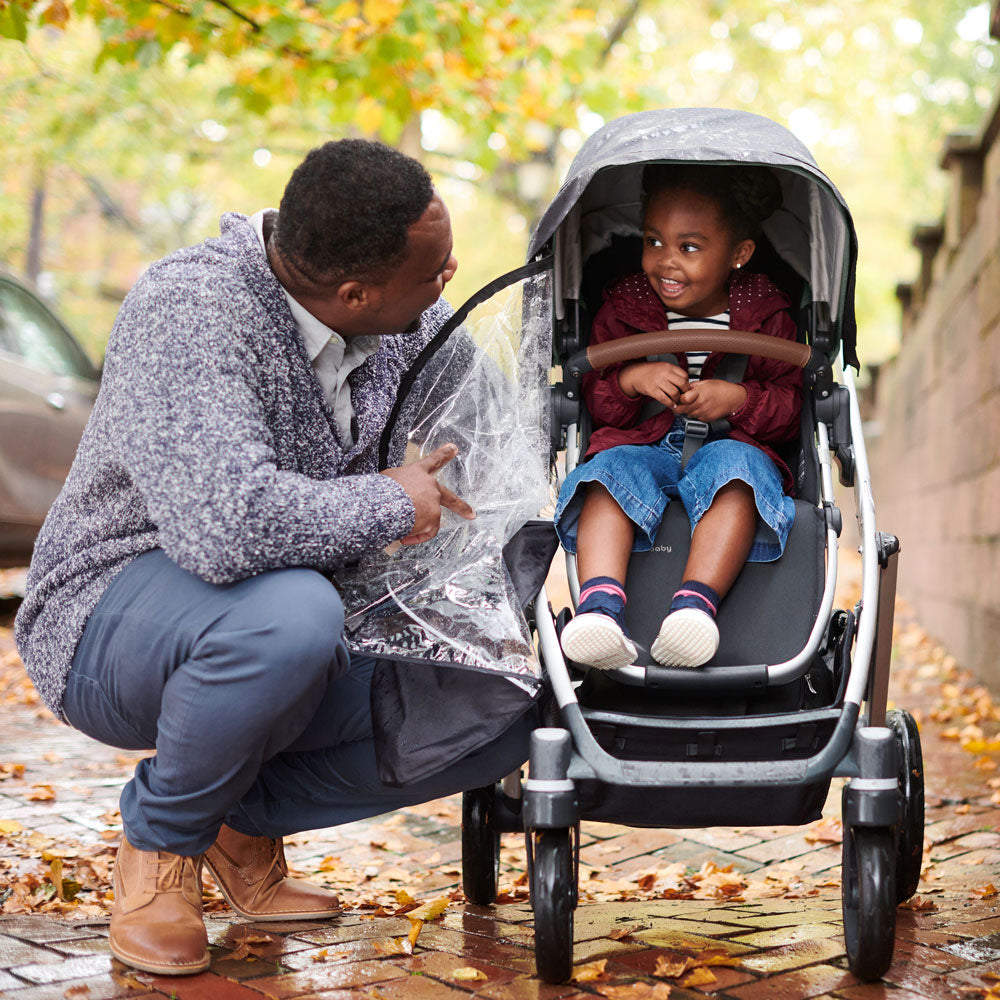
[643,345]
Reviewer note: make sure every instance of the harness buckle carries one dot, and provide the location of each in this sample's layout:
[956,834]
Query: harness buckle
[697,429]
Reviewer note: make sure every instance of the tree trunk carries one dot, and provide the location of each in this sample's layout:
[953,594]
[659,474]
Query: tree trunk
[36,232]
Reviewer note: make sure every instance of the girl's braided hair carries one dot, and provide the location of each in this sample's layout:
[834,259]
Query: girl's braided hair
[746,195]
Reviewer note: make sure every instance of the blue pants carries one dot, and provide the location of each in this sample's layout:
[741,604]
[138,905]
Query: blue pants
[644,478]
[259,715]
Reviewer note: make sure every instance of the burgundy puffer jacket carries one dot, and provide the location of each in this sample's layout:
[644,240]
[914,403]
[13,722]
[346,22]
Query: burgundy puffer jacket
[770,414]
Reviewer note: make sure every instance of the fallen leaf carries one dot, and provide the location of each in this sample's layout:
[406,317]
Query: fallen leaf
[430,910]
[827,831]
[986,891]
[76,991]
[468,973]
[415,928]
[41,793]
[589,972]
[699,977]
[636,991]
[404,898]
[671,966]
[623,932]
[10,826]
[392,946]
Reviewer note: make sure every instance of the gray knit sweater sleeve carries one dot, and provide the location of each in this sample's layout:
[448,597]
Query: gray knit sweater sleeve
[211,438]
[195,440]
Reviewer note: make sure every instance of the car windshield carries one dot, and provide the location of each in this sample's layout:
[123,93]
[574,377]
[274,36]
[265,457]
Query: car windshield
[31,333]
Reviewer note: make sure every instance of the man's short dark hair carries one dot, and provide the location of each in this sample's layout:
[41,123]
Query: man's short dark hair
[346,210]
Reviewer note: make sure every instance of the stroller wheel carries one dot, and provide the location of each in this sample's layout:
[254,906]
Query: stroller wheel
[480,845]
[869,899]
[553,895]
[910,837]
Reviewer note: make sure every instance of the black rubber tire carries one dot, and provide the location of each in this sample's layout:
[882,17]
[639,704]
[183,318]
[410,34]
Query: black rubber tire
[552,896]
[869,899]
[910,836]
[480,845]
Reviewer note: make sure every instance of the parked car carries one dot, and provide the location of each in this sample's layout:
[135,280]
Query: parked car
[47,389]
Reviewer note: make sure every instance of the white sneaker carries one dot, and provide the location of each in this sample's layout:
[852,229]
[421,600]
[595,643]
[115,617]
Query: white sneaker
[596,640]
[688,638]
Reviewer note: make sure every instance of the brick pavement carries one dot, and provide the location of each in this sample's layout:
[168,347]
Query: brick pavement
[766,898]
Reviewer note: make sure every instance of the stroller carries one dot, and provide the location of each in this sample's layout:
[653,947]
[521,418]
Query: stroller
[796,694]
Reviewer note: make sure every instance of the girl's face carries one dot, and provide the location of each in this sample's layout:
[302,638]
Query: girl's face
[688,253]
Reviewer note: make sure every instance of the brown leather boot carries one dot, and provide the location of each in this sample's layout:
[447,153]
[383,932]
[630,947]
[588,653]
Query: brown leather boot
[252,875]
[156,922]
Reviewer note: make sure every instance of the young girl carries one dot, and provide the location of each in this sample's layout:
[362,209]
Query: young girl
[698,231]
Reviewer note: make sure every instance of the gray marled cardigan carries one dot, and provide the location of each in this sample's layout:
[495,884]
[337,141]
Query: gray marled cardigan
[211,439]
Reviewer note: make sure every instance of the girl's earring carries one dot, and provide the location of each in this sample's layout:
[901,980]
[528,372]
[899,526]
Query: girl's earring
[738,266]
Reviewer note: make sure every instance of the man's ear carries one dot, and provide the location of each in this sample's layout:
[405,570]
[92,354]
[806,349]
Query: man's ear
[355,294]
[743,252]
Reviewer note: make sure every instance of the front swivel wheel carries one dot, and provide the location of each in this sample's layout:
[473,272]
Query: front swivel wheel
[869,899]
[553,897]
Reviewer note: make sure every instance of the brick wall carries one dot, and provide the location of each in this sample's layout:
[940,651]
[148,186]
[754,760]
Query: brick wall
[935,414]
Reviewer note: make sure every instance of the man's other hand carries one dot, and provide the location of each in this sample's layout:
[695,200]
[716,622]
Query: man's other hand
[428,495]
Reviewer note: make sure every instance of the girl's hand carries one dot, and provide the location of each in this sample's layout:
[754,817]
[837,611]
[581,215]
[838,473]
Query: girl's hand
[711,399]
[659,380]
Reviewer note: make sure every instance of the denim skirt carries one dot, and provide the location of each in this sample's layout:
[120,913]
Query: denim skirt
[644,478]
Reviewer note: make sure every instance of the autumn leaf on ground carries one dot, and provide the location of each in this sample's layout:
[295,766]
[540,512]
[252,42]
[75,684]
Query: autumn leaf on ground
[986,891]
[415,927]
[10,826]
[672,965]
[623,932]
[468,974]
[129,982]
[825,831]
[715,956]
[76,992]
[699,977]
[429,910]
[404,898]
[250,944]
[636,991]
[392,946]
[41,793]
[589,972]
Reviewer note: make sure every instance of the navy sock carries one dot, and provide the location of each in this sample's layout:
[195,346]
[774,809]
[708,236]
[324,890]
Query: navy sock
[692,594]
[603,595]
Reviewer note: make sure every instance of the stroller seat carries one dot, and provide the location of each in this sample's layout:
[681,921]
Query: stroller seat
[768,614]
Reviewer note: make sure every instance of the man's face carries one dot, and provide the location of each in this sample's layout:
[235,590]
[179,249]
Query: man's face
[363,308]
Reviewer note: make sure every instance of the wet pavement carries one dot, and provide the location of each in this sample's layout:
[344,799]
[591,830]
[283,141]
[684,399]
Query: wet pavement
[745,914]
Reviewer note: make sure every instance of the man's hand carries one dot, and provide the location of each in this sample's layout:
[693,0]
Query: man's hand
[659,380]
[711,399]
[428,495]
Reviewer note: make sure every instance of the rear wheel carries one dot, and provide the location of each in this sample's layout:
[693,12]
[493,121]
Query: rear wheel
[869,899]
[910,838]
[553,895]
[480,845]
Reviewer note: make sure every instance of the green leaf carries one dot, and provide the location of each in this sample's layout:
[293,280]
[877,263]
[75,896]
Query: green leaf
[14,23]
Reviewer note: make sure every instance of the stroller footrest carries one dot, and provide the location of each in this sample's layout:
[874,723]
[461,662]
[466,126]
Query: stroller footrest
[742,679]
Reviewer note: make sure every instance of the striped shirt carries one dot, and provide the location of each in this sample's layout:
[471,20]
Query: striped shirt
[696,359]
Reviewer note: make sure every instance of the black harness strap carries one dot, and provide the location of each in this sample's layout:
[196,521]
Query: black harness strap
[731,368]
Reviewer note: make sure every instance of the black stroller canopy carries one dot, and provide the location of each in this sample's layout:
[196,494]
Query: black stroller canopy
[600,198]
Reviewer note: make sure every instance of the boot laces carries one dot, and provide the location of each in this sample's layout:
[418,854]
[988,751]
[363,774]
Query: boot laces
[170,871]
[277,860]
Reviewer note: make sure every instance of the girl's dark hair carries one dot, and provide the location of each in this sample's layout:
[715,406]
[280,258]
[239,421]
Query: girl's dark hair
[347,208]
[746,195]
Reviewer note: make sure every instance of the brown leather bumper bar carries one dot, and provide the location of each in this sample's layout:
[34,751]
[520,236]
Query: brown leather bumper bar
[643,345]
